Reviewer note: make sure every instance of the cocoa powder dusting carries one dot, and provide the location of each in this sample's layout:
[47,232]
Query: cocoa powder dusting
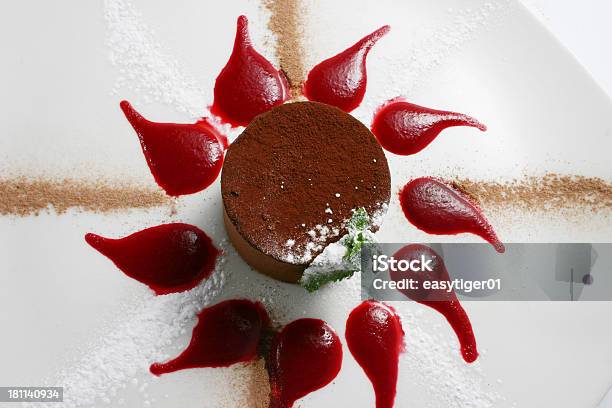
[298,171]
[23,196]
[285,22]
[259,386]
[250,386]
[551,192]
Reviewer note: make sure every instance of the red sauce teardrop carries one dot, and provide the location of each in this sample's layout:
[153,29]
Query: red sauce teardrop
[248,84]
[440,300]
[183,158]
[227,333]
[436,208]
[375,337]
[168,258]
[305,356]
[341,80]
[405,128]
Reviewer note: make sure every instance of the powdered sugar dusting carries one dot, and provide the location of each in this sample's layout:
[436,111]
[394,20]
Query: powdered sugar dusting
[134,344]
[319,236]
[144,67]
[330,260]
[377,217]
[148,70]
[440,374]
[404,71]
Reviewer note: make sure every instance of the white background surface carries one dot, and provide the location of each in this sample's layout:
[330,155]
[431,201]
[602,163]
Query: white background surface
[584,27]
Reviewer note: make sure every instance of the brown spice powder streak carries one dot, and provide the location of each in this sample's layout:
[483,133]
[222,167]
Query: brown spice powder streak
[285,22]
[23,196]
[250,386]
[551,192]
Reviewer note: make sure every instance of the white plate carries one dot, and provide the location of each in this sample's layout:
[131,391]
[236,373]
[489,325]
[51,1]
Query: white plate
[68,317]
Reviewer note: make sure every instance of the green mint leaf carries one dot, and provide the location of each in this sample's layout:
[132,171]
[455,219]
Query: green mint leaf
[316,282]
[358,235]
[359,221]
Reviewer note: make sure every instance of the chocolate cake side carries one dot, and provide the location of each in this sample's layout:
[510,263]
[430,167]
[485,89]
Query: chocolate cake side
[291,181]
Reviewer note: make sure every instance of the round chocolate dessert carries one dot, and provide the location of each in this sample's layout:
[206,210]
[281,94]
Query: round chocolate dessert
[292,180]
